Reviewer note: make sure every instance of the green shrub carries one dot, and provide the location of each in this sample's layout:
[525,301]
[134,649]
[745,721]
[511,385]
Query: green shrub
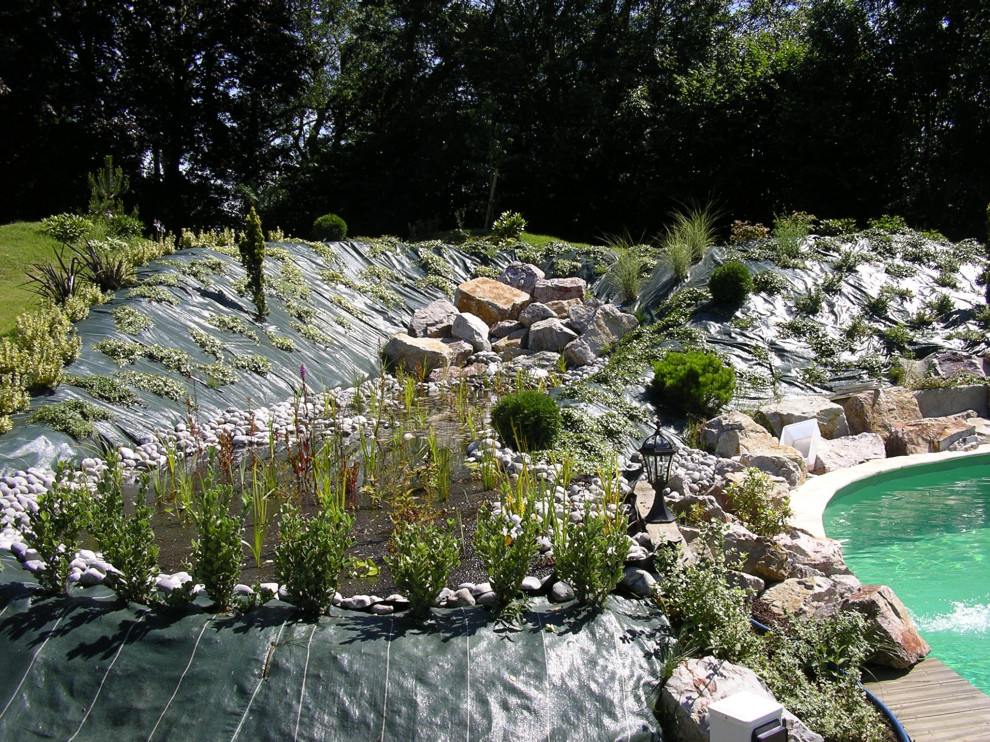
[730,284]
[310,555]
[591,555]
[709,616]
[73,417]
[811,303]
[106,388]
[753,502]
[130,320]
[54,529]
[509,226]
[748,232]
[252,251]
[330,228]
[693,383]
[216,554]
[505,538]
[66,228]
[421,558]
[769,283]
[789,232]
[126,541]
[528,420]
[888,224]
[836,227]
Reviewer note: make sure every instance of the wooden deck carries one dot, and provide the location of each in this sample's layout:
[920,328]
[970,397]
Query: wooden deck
[934,704]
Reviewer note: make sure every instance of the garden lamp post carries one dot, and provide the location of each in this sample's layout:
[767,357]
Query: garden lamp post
[658,453]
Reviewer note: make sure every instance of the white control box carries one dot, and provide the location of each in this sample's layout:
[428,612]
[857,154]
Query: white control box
[734,718]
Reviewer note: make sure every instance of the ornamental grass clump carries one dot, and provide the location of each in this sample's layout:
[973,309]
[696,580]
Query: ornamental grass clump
[693,384]
[528,420]
[310,555]
[421,557]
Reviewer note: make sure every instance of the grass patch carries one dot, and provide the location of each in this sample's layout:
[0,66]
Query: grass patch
[21,244]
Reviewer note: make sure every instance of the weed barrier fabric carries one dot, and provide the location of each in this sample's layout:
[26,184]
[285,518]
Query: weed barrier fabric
[87,667]
[355,324]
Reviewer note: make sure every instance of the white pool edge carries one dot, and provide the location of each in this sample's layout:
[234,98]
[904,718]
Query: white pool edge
[808,502]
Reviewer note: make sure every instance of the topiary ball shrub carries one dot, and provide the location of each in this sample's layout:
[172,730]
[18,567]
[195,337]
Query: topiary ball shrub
[694,384]
[528,420]
[730,284]
[329,227]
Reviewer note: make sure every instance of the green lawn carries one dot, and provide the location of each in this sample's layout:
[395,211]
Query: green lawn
[21,244]
[539,240]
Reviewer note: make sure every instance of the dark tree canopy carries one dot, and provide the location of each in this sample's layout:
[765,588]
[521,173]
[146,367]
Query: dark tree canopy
[588,116]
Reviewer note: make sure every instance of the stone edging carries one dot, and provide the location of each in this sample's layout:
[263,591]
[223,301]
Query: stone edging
[810,499]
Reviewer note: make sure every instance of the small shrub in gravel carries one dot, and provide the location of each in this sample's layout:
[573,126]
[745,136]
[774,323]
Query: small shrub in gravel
[310,555]
[216,554]
[505,539]
[54,529]
[692,383]
[591,554]
[126,541]
[421,557]
[528,420]
[730,284]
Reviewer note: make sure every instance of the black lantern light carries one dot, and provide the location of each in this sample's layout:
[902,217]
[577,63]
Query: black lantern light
[658,453]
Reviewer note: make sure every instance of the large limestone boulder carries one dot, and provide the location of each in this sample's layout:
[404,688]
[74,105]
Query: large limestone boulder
[822,555]
[879,410]
[736,434]
[562,308]
[471,329]
[931,435]
[728,434]
[830,416]
[433,321]
[559,289]
[425,354]
[761,556]
[491,300]
[505,328]
[890,627]
[619,323]
[696,684]
[954,400]
[582,314]
[842,453]
[804,596]
[550,334]
[522,276]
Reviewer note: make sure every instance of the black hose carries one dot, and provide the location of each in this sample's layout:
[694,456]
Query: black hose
[902,736]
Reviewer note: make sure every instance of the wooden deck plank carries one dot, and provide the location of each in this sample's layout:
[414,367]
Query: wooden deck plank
[934,704]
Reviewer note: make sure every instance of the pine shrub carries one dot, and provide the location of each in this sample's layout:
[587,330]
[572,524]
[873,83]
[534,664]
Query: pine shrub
[694,384]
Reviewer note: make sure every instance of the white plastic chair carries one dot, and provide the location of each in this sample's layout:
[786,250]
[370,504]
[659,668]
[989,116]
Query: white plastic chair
[803,436]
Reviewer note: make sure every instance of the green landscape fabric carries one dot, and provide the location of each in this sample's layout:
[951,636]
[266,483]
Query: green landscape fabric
[88,667]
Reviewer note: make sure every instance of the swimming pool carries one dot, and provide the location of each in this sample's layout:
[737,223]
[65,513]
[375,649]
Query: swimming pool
[925,532]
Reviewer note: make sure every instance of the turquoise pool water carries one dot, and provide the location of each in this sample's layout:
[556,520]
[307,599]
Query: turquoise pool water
[925,531]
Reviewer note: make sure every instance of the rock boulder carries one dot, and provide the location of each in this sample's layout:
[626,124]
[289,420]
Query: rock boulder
[953,400]
[878,411]
[830,416]
[433,321]
[550,334]
[931,435]
[559,289]
[521,276]
[425,354]
[842,453]
[490,300]
[891,629]
[471,329]
[803,596]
